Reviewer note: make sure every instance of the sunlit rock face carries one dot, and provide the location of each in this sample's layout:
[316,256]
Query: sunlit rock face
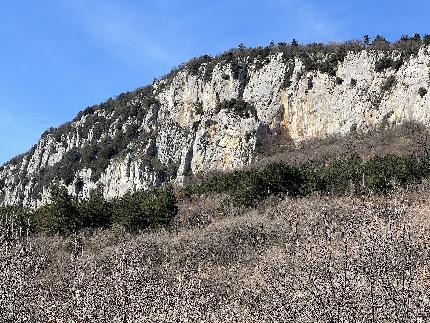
[188,128]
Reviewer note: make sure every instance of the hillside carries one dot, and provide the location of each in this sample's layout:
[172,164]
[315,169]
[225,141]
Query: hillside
[288,183]
[220,113]
[314,259]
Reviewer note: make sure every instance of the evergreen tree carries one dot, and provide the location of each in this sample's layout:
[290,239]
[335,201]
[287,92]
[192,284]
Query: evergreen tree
[60,217]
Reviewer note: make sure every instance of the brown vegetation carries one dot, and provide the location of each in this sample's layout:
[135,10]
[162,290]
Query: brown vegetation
[401,140]
[314,259]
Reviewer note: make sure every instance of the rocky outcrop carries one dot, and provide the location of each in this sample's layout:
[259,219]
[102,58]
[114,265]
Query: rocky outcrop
[197,121]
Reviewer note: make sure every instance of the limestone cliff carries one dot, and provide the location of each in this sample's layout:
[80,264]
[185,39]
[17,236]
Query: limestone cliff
[211,114]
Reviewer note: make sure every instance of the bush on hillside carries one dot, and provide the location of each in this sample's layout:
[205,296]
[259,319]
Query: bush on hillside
[14,222]
[388,84]
[66,216]
[59,217]
[238,107]
[422,91]
[95,213]
[349,176]
[143,210]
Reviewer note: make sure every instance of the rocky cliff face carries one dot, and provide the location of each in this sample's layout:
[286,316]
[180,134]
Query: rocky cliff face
[212,114]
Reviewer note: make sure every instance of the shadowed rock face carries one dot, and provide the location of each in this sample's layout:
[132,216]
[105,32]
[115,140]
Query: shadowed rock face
[181,126]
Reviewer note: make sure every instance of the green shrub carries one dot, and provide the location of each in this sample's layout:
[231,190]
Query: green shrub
[249,190]
[343,176]
[329,65]
[142,210]
[237,106]
[194,65]
[198,107]
[15,221]
[95,213]
[388,84]
[387,62]
[382,64]
[380,43]
[396,64]
[310,83]
[60,217]
[422,91]
[136,211]
[340,177]
[282,178]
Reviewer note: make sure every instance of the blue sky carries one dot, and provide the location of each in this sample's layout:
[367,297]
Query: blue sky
[60,56]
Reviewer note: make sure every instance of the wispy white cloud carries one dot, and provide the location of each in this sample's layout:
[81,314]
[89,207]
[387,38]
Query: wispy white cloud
[154,34]
[123,30]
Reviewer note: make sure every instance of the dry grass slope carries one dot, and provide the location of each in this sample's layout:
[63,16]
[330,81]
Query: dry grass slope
[314,259]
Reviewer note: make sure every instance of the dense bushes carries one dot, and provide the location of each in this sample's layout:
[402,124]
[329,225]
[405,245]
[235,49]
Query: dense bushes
[95,212]
[387,62]
[110,129]
[339,80]
[315,56]
[60,217]
[194,65]
[15,221]
[349,176]
[388,84]
[143,210]
[328,65]
[422,91]
[237,106]
[67,216]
